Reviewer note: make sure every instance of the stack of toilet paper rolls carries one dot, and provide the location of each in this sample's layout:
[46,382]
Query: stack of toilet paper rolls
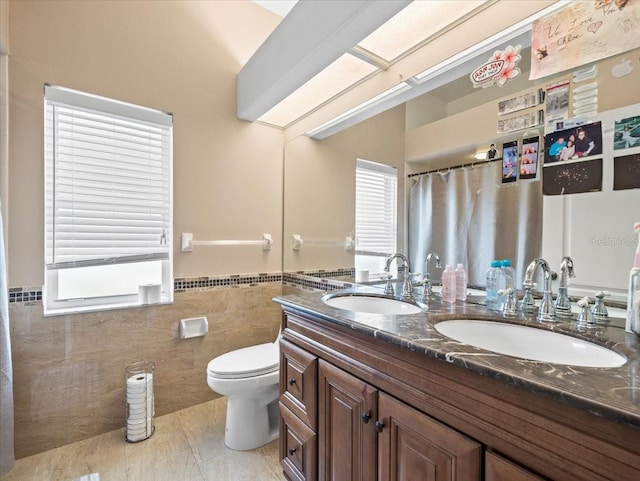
[140,408]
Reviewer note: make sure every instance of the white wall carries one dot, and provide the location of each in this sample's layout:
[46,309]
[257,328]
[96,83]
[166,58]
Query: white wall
[178,56]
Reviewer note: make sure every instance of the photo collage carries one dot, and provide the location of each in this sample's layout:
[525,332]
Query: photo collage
[574,158]
[524,166]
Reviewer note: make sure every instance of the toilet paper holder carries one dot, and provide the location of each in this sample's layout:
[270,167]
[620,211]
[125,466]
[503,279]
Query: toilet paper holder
[139,401]
[193,327]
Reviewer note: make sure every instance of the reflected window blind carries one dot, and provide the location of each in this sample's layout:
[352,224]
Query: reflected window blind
[376,199]
[107,180]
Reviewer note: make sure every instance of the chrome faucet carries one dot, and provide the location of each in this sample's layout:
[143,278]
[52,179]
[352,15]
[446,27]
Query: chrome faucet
[547,311]
[427,290]
[563,303]
[407,288]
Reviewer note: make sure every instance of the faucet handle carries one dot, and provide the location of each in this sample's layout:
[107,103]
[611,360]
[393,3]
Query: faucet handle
[585,320]
[388,287]
[528,304]
[510,305]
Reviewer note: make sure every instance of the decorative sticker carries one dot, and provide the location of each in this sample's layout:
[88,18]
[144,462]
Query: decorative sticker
[501,67]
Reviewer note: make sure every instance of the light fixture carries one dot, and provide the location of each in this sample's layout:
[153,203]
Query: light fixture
[435,76]
[481,156]
[322,131]
[338,76]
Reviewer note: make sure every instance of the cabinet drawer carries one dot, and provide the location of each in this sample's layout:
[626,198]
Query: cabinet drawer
[298,447]
[497,468]
[298,382]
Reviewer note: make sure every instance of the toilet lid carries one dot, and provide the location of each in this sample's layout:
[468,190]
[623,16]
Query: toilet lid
[246,362]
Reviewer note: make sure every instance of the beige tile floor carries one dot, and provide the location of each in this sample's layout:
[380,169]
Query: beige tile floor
[187,445]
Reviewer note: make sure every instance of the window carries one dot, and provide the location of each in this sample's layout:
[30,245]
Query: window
[108,202]
[376,207]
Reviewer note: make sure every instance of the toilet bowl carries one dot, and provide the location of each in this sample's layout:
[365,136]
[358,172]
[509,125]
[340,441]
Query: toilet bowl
[249,378]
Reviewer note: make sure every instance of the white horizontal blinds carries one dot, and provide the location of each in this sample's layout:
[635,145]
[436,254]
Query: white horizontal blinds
[108,181]
[376,199]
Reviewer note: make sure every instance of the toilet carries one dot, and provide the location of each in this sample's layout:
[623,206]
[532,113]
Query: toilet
[249,378]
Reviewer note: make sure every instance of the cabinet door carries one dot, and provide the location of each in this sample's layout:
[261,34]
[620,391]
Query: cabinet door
[415,447]
[346,429]
[499,469]
[298,447]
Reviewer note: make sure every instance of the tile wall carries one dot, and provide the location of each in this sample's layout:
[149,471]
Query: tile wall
[69,370]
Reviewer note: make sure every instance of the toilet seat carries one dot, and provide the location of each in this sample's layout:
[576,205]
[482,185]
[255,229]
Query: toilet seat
[247,362]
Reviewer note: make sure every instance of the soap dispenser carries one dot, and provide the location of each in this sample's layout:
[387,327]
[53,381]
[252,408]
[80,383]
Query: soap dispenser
[449,284]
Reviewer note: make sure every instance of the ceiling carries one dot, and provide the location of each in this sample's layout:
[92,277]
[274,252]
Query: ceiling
[279,7]
[323,52]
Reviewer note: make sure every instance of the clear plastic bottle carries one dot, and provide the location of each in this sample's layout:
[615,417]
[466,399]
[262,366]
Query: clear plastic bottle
[449,284]
[507,275]
[461,283]
[491,292]
[633,301]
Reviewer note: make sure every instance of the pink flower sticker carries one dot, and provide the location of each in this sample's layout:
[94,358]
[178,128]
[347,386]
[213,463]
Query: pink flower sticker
[511,55]
[507,74]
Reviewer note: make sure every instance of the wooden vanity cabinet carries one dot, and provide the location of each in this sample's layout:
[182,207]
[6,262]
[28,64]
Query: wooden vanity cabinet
[366,435]
[362,434]
[362,410]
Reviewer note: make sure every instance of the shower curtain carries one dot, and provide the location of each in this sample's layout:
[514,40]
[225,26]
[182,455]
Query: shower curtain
[7,457]
[468,216]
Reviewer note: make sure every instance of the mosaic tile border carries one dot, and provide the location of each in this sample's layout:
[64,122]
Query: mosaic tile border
[186,284]
[180,284]
[319,280]
[316,280]
[25,294]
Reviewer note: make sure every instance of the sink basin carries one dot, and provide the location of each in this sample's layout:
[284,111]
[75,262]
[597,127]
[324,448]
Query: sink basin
[371,303]
[530,343]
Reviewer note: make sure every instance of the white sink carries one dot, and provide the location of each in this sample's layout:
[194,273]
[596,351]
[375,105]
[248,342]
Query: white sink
[530,343]
[370,303]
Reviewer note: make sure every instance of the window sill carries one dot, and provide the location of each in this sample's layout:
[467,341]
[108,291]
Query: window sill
[110,307]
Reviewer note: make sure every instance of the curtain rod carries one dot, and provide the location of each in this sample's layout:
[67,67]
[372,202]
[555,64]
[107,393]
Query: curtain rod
[442,170]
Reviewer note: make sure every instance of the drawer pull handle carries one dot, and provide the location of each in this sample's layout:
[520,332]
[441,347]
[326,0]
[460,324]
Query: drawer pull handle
[365,416]
[292,451]
[379,426]
[292,381]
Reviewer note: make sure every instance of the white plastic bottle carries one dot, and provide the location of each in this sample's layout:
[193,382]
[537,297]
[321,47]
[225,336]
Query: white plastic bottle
[449,284]
[461,283]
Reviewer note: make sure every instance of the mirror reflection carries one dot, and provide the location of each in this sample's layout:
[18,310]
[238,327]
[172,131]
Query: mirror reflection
[449,128]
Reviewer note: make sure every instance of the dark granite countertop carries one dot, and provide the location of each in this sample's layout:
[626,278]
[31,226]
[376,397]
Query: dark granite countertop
[613,393]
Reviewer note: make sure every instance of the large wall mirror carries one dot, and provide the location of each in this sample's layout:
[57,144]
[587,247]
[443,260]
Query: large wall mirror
[446,127]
